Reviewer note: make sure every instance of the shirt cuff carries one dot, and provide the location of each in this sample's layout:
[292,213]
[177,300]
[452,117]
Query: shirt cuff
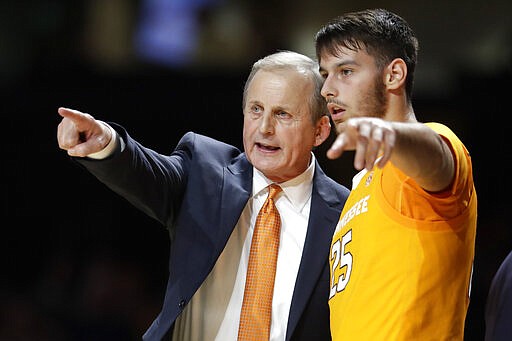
[111,146]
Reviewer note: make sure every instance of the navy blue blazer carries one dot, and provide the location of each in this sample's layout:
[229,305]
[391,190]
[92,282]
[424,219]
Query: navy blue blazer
[198,193]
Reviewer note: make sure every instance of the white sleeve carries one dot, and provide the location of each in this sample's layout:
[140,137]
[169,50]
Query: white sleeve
[110,147]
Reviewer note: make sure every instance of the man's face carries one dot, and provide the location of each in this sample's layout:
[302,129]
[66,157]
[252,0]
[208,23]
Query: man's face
[353,87]
[278,132]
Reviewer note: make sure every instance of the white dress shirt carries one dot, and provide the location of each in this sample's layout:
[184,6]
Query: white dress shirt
[214,311]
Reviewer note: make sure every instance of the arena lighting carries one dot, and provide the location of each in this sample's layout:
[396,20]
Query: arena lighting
[168,30]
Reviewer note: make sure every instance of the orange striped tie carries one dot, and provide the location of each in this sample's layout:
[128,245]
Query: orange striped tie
[256,313]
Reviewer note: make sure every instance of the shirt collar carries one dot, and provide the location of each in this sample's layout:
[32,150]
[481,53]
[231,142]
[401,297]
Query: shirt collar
[297,190]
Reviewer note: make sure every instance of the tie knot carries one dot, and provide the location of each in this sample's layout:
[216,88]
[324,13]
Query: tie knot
[274,190]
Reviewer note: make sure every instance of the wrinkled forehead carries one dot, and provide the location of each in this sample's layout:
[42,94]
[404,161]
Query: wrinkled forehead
[280,80]
[289,90]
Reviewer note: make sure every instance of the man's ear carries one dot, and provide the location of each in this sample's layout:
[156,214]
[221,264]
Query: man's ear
[323,130]
[395,74]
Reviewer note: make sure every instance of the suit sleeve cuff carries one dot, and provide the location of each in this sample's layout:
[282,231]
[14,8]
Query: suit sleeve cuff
[116,142]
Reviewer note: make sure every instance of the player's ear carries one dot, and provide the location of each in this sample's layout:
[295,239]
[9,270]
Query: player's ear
[395,74]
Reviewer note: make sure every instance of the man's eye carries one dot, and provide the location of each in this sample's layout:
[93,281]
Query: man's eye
[256,109]
[346,72]
[283,115]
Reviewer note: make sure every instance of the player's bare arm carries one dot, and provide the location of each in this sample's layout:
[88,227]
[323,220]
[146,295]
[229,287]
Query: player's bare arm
[424,156]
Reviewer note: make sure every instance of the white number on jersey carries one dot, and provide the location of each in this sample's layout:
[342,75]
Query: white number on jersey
[341,259]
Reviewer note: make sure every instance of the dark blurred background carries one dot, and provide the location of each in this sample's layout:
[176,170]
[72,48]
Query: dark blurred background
[78,262]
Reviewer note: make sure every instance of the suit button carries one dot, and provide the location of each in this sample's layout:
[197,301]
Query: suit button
[182,303]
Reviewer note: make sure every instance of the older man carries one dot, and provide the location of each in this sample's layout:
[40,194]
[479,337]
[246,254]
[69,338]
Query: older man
[208,194]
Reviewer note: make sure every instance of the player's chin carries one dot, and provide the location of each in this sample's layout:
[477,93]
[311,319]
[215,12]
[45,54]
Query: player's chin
[340,126]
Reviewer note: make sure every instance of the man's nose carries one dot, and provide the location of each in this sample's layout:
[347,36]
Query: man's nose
[328,89]
[267,123]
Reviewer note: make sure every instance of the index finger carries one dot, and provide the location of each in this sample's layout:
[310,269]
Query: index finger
[74,115]
[81,120]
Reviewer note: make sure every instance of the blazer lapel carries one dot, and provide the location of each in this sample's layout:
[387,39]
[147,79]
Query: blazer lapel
[236,190]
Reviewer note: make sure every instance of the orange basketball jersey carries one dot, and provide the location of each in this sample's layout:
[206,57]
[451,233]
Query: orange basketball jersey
[401,258]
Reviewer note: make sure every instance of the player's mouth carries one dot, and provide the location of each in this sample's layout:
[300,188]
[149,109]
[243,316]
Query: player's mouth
[336,112]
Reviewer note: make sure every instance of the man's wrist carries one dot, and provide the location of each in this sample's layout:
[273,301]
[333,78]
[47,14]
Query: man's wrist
[109,148]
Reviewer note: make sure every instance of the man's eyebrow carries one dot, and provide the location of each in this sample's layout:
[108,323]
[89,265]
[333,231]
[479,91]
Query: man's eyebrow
[254,101]
[280,108]
[342,63]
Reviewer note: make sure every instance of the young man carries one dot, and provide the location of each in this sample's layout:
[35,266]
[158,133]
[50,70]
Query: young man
[208,195]
[402,253]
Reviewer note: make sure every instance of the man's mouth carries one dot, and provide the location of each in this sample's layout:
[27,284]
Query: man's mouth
[266,147]
[336,112]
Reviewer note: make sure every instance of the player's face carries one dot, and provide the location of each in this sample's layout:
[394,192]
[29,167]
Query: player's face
[353,86]
[278,132]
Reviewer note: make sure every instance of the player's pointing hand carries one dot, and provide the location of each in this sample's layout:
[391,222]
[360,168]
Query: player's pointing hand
[371,138]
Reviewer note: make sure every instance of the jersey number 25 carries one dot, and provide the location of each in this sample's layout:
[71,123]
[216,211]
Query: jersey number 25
[341,258]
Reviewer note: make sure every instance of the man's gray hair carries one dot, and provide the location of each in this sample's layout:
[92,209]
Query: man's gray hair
[289,60]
